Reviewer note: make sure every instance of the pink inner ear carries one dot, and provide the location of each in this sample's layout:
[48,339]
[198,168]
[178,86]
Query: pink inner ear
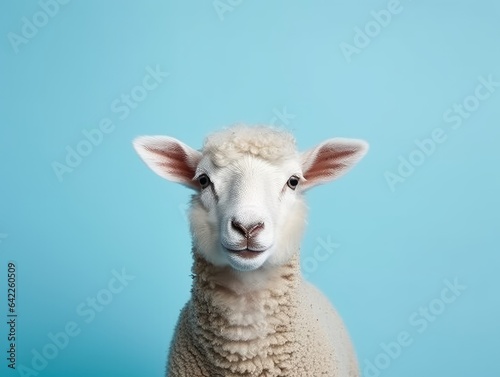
[328,162]
[175,161]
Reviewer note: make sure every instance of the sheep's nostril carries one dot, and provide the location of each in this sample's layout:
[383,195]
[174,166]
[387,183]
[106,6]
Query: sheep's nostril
[247,231]
[255,228]
[237,226]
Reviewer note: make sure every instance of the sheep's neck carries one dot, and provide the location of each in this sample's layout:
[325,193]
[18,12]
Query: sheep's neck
[241,317]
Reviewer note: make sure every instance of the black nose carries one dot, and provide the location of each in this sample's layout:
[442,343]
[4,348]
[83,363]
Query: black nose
[249,230]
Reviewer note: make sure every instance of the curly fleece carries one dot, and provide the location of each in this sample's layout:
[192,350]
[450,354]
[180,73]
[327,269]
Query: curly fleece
[287,328]
[268,143]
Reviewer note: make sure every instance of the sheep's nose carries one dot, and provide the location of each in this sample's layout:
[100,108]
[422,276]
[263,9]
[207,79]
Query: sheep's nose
[249,230]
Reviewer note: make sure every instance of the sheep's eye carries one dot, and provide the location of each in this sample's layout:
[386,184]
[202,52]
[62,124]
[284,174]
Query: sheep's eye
[204,181]
[293,181]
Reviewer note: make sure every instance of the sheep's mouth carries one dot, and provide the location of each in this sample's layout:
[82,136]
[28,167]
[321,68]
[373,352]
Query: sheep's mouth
[246,253]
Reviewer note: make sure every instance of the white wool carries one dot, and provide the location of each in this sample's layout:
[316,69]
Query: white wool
[269,143]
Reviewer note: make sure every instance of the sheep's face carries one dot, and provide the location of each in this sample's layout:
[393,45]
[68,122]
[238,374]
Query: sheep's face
[248,211]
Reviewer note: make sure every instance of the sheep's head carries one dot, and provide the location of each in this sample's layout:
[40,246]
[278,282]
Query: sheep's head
[248,210]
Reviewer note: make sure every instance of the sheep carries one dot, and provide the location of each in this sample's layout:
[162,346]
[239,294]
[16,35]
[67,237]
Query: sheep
[251,313]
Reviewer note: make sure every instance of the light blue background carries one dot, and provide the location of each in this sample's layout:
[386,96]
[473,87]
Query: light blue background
[397,247]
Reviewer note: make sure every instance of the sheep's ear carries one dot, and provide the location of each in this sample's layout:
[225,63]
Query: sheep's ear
[330,160]
[169,158]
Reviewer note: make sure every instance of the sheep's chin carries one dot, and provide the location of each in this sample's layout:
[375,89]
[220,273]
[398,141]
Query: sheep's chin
[247,264]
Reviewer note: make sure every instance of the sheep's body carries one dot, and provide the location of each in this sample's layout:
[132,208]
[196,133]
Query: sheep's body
[287,329]
[251,314]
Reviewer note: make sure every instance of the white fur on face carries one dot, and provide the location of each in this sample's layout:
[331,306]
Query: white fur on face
[250,192]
